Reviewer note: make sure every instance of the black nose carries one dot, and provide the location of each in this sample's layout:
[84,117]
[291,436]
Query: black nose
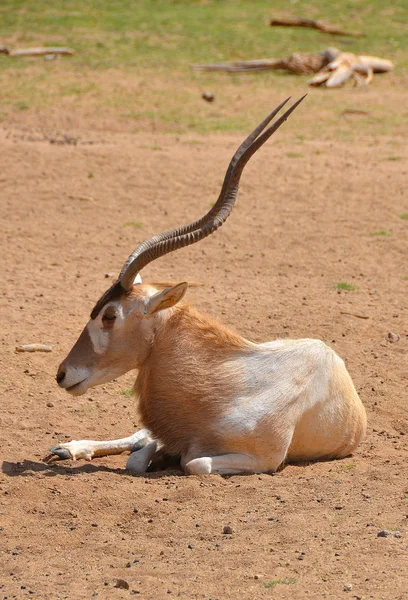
[60,375]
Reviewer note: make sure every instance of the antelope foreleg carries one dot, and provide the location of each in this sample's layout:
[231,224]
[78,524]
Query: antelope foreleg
[227,464]
[139,461]
[88,449]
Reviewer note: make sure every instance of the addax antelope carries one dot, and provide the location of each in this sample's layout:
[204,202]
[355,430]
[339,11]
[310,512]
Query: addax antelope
[219,402]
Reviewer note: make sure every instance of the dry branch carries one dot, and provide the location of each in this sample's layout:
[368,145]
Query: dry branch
[313,24]
[354,315]
[301,63]
[35,51]
[34,348]
[330,67]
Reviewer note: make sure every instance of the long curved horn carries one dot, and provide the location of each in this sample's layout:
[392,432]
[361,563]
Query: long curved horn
[173,239]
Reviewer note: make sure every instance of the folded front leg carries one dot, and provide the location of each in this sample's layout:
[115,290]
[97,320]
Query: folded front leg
[233,463]
[88,449]
[226,464]
[139,461]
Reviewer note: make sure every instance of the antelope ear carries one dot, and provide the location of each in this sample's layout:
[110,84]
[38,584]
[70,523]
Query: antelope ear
[166,298]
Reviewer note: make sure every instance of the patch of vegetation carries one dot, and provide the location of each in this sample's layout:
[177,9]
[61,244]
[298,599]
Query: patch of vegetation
[151,147]
[132,224]
[294,155]
[127,392]
[346,286]
[21,105]
[348,467]
[90,175]
[148,46]
[394,158]
[381,233]
[404,215]
[82,410]
[275,582]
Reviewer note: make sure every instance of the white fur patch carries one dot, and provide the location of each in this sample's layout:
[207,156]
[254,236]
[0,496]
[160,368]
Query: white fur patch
[99,338]
[277,378]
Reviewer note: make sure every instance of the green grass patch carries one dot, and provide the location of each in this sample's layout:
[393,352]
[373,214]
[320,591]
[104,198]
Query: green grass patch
[154,147]
[174,33]
[346,286]
[132,224]
[294,155]
[275,582]
[348,467]
[127,392]
[21,105]
[394,158]
[381,233]
[134,58]
[404,215]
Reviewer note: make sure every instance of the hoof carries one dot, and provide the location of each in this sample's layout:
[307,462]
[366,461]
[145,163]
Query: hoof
[63,453]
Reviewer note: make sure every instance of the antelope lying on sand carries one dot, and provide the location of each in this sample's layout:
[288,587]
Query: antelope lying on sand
[221,403]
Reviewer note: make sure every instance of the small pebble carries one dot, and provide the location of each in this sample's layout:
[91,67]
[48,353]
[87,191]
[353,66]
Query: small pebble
[348,587]
[50,404]
[122,584]
[383,533]
[397,534]
[227,530]
[208,96]
[393,337]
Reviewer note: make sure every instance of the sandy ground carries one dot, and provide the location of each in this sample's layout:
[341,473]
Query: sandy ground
[302,225]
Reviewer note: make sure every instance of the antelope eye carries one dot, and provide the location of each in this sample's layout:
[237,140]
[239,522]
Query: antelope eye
[109,317]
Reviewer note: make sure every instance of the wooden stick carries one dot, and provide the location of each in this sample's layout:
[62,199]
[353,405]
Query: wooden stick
[314,24]
[34,348]
[301,63]
[247,66]
[39,51]
[354,315]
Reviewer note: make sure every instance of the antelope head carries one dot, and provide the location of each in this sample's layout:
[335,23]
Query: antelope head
[121,328]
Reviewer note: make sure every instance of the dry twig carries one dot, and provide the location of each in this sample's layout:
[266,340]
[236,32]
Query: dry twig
[354,315]
[35,51]
[313,24]
[301,63]
[34,348]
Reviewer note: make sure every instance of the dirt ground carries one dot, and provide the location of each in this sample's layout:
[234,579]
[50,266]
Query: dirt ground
[73,205]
